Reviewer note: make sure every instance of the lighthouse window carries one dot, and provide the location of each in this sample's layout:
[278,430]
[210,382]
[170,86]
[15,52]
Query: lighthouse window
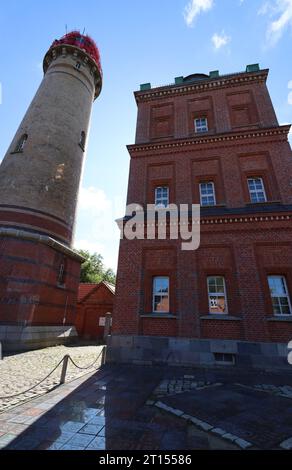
[21,143]
[82,140]
[62,274]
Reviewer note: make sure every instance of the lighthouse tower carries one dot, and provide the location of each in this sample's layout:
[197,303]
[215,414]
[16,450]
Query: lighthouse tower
[39,184]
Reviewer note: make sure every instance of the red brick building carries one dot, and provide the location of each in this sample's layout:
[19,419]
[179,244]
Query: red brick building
[212,140]
[94,302]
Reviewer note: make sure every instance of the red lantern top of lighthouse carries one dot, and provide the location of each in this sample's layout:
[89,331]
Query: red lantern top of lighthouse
[86,43]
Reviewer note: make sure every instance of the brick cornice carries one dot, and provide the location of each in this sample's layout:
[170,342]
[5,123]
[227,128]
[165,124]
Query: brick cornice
[273,216]
[42,239]
[224,81]
[238,137]
[244,219]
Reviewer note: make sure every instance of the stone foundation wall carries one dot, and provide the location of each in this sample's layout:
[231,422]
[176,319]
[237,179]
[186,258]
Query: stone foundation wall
[154,350]
[19,338]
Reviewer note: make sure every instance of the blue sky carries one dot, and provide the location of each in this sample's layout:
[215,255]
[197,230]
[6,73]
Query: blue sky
[139,42]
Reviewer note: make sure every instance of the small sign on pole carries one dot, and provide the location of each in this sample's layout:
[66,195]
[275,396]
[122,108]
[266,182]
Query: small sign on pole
[107,326]
[102,321]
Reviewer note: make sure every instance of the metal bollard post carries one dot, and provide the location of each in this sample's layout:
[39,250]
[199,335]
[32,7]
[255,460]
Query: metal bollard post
[64,369]
[108,324]
[103,356]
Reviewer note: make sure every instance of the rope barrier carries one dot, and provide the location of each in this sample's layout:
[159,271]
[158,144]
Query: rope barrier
[52,371]
[89,367]
[34,386]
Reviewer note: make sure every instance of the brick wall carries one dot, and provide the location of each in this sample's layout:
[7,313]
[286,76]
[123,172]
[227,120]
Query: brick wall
[91,309]
[243,252]
[29,291]
[241,241]
[221,104]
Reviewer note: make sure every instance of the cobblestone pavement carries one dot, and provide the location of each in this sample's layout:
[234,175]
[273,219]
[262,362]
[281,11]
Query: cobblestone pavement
[114,409]
[20,372]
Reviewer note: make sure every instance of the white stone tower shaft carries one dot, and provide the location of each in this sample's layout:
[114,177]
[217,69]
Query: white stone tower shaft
[40,174]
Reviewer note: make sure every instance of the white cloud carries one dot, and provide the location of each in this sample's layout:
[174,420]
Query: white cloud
[280,18]
[194,8]
[266,9]
[91,246]
[220,40]
[96,229]
[93,199]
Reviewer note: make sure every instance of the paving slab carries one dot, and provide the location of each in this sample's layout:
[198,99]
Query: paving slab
[109,410]
[264,420]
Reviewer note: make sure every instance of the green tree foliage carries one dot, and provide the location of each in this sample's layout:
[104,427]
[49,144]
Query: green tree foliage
[93,269]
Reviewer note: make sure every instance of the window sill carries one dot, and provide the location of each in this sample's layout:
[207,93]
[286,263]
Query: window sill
[280,318]
[162,208]
[158,315]
[14,153]
[212,205]
[219,316]
[202,133]
[262,203]
[61,286]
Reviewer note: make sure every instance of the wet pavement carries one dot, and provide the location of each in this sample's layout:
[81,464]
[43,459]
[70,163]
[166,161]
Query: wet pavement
[241,412]
[109,410]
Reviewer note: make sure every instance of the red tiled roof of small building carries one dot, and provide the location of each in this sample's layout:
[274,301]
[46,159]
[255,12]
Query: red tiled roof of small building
[86,288]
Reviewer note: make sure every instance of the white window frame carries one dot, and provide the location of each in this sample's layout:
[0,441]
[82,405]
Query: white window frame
[212,294]
[159,200]
[207,195]
[283,278]
[156,294]
[201,124]
[256,191]
[223,360]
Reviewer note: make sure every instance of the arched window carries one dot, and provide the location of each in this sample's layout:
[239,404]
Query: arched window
[62,273]
[21,143]
[82,140]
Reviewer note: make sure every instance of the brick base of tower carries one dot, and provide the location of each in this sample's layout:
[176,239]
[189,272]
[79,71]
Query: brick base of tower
[36,310]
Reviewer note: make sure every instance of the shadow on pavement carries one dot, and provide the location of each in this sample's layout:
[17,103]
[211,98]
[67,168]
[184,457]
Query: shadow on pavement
[109,411]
